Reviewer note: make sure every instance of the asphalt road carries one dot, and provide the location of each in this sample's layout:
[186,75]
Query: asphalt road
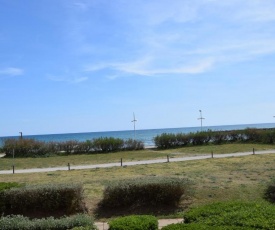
[131,163]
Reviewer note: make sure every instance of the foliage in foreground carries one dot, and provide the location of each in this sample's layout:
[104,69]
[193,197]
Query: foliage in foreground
[233,214]
[202,227]
[148,191]
[43,200]
[270,192]
[134,222]
[18,222]
[9,185]
[34,148]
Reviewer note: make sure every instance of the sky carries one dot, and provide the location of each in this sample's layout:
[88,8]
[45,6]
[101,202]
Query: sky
[69,66]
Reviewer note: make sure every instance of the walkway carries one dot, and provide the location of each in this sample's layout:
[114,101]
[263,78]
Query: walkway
[162,223]
[131,163]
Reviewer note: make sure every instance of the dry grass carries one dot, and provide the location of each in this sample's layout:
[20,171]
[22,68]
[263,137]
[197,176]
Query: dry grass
[84,159]
[236,178]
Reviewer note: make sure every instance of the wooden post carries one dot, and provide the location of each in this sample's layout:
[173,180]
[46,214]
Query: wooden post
[69,167]
[121,162]
[212,155]
[168,158]
[253,151]
[13,169]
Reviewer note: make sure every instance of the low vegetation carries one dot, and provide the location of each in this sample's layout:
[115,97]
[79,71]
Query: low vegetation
[18,222]
[43,200]
[270,192]
[197,226]
[170,140]
[135,222]
[9,185]
[145,191]
[34,148]
[251,215]
[238,179]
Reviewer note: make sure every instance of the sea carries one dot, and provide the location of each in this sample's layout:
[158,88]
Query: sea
[146,135]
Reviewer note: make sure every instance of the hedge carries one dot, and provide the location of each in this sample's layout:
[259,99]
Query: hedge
[9,185]
[171,140]
[233,214]
[18,222]
[148,191]
[270,192]
[134,222]
[43,200]
[33,148]
[202,227]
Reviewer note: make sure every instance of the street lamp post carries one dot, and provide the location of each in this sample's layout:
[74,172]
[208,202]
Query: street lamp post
[201,118]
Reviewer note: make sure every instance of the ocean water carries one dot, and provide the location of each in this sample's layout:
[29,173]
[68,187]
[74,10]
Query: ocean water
[146,136]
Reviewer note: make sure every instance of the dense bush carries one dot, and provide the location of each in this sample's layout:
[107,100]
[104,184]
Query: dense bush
[43,200]
[24,147]
[202,227]
[135,222]
[108,144]
[170,140]
[14,222]
[6,186]
[270,192]
[131,144]
[149,192]
[33,148]
[9,185]
[249,215]
[268,137]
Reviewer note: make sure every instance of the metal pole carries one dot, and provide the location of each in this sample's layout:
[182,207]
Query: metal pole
[201,118]
[134,120]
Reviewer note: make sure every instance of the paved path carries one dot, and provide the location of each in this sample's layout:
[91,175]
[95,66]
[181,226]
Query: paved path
[130,163]
[162,223]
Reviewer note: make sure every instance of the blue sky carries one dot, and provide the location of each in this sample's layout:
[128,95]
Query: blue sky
[87,65]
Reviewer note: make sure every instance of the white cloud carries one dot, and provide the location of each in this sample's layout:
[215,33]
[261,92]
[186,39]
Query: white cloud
[10,71]
[144,67]
[72,80]
[179,37]
[82,5]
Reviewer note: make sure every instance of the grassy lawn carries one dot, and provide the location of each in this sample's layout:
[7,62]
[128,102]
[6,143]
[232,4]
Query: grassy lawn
[84,159]
[235,178]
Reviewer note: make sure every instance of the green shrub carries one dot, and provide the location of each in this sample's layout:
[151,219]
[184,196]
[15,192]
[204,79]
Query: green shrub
[5,186]
[268,137]
[33,148]
[84,147]
[135,222]
[131,144]
[182,139]
[68,146]
[24,223]
[149,192]
[44,200]
[165,140]
[9,185]
[107,144]
[24,147]
[200,138]
[249,215]
[202,227]
[270,192]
